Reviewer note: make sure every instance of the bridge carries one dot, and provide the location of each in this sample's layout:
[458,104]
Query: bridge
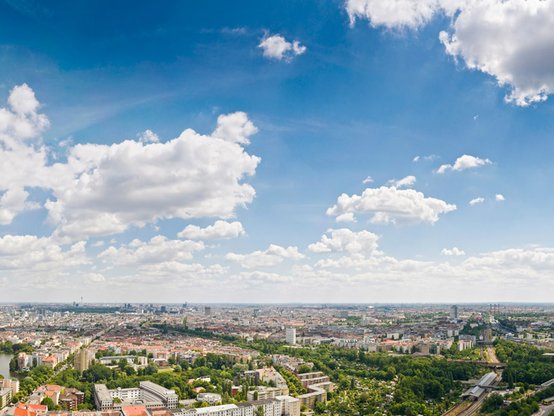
[547,384]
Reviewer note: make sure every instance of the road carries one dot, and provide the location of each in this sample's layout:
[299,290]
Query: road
[545,410]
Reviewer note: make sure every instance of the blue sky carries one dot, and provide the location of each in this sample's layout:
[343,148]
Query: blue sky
[365,91]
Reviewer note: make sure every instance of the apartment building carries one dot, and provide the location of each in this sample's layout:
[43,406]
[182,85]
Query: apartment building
[153,392]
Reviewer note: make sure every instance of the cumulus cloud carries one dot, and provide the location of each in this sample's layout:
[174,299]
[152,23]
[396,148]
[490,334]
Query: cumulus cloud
[509,40]
[506,39]
[499,198]
[148,136]
[22,156]
[277,47]
[454,251]
[177,273]
[346,240]
[24,254]
[393,13]
[391,205]
[105,189]
[522,267]
[218,231]
[476,201]
[21,120]
[94,277]
[272,256]
[131,183]
[235,128]
[346,217]
[464,162]
[157,250]
[260,277]
[12,202]
[406,182]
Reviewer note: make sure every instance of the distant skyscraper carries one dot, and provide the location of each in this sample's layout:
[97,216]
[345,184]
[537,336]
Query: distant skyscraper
[207,310]
[290,336]
[454,312]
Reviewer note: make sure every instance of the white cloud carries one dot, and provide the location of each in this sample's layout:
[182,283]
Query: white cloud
[393,13]
[22,158]
[219,230]
[131,183]
[12,202]
[346,240]
[513,261]
[235,128]
[176,272]
[277,47]
[260,277]
[21,121]
[148,136]
[367,180]
[272,256]
[94,277]
[464,162]
[425,158]
[22,100]
[391,205]
[406,182]
[454,251]
[499,197]
[159,249]
[346,217]
[105,189]
[509,40]
[24,254]
[475,201]
[385,277]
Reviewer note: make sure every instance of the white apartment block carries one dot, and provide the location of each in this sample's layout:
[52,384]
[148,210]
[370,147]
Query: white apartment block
[154,392]
[290,336]
[270,408]
[147,394]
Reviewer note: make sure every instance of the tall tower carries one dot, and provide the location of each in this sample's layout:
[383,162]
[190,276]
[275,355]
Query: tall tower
[454,312]
[82,360]
[290,336]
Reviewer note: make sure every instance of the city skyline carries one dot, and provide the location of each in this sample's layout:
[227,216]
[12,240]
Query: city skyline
[322,152]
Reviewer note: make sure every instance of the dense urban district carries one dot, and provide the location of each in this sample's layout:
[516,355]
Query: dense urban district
[276,360]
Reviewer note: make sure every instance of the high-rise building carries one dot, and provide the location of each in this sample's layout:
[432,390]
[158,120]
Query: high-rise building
[83,359]
[290,336]
[207,310]
[454,312]
[5,397]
